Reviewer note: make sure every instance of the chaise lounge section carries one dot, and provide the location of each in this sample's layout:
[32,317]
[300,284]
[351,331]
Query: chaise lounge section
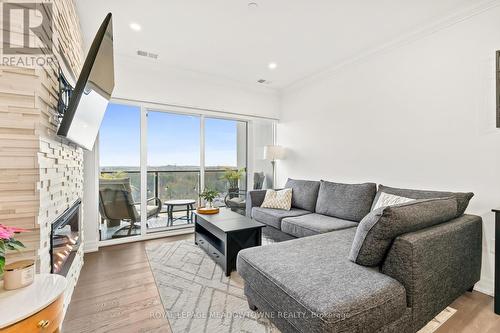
[310,284]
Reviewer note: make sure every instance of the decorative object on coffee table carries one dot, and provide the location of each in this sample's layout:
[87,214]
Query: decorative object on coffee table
[274,153]
[209,195]
[208,211]
[223,235]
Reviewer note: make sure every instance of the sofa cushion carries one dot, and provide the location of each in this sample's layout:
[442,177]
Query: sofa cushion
[304,193]
[312,278]
[152,210]
[237,202]
[345,201]
[463,198]
[273,217]
[313,224]
[378,229]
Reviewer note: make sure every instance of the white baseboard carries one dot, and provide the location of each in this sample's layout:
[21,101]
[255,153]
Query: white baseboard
[139,238]
[90,246]
[485,286]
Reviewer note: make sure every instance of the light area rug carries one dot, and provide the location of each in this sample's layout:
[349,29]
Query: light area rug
[198,297]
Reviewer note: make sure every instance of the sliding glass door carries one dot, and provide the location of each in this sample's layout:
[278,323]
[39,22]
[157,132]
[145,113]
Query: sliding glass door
[173,168]
[120,181]
[177,156]
[226,159]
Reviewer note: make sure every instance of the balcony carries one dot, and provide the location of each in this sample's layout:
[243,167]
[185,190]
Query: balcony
[164,185]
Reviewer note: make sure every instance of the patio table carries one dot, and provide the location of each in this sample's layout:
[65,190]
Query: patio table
[171,204]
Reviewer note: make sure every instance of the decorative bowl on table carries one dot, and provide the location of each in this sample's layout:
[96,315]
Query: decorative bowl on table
[207,210]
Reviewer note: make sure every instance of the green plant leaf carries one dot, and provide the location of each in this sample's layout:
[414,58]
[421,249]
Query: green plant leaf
[2,256]
[17,243]
[13,245]
[209,194]
[2,264]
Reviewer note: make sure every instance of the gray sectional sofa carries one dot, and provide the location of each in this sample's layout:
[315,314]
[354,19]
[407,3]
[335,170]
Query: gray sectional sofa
[344,268]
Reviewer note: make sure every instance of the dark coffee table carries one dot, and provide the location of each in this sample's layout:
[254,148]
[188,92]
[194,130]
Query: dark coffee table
[223,235]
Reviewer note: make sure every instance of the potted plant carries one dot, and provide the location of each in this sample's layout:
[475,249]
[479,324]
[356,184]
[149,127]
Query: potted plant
[209,195]
[233,178]
[7,242]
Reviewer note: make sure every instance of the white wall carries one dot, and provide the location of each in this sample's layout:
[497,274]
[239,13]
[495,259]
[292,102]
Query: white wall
[421,116]
[148,80]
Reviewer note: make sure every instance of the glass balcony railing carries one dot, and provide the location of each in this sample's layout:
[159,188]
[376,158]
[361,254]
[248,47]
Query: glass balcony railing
[178,184]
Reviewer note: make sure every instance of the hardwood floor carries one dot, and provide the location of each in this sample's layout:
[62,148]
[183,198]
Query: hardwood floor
[474,315]
[116,292]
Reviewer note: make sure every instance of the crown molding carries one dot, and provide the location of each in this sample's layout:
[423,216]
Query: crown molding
[422,32]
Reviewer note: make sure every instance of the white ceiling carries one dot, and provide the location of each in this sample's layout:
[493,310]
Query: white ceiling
[227,39]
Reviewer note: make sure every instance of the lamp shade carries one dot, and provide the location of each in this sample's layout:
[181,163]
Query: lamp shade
[273,153]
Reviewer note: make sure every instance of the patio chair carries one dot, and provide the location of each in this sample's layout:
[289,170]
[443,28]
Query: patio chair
[236,200]
[116,204]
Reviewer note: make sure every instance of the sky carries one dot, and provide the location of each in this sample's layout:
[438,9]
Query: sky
[173,139]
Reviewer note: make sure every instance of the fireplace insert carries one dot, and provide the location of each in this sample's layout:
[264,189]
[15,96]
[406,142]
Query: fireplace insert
[65,239]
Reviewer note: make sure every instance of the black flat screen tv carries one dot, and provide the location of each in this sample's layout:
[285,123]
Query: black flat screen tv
[87,104]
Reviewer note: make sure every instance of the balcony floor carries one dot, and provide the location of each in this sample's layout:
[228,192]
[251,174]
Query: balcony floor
[154,224]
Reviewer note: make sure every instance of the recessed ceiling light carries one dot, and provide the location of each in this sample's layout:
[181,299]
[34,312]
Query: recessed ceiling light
[272,65]
[135,26]
[253,4]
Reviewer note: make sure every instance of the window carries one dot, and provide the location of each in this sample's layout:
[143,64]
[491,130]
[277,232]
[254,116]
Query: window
[120,181]
[225,157]
[177,164]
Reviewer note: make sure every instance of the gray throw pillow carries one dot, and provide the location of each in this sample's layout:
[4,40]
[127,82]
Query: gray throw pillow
[463,198]
[345,201]
[304,193]
[379,228]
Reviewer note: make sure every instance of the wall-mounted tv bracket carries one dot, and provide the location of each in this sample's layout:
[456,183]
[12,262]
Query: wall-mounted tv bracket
[65,90]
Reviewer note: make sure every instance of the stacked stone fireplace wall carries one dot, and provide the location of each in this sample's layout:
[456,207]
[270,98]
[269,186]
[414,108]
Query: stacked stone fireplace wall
[41,175]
